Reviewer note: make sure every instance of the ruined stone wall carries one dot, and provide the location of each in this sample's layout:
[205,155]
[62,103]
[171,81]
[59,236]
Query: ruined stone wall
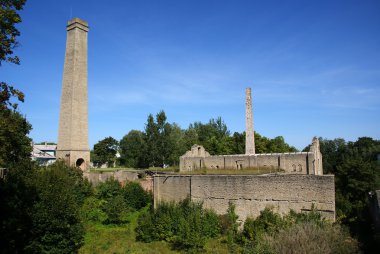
[121,176]
[251,194]
[295,163]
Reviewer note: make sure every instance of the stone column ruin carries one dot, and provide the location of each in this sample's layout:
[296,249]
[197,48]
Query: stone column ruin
[249,132]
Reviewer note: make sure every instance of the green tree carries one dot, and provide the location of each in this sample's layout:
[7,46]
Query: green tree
[15,145]
[151,134]
[331,151]
[38,209]
[157,137]
[132,150]
[105,151]
[9,17]
[177,144]
[357,173]
[214,136]
[190,138]
[275,145]
[18,194]
[56,225]
[238,143]
[164,146]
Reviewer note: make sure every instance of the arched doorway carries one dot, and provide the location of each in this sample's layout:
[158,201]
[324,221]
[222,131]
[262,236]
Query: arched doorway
[80,163]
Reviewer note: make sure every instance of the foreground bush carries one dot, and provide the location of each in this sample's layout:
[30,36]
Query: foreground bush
[39,209]
[185,225]
[135,196]
[112,202]
[308,237]
[295,233]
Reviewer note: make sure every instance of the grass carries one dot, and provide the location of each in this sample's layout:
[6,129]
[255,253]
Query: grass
[229,171]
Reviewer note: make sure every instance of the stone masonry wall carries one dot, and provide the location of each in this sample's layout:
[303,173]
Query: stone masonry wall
[251,194]
[121,176]
[295,163]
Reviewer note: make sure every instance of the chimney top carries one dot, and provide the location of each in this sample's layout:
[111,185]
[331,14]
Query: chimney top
[77,23]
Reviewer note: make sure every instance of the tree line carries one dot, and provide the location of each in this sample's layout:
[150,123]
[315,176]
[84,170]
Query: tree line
[162,143]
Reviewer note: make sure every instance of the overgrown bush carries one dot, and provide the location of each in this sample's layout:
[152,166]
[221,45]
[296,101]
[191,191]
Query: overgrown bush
[91,210]
[135,196]
[295,233]
[267,222]
[232,228]
[308,237]
[55,214]
[116,210]
[145,226]
[108,189]
[112,202]
[185,225]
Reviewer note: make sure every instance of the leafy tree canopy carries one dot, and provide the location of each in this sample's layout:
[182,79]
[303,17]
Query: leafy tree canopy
[132,149]
[105,151]
[357,173]
[162,143]
[9,17]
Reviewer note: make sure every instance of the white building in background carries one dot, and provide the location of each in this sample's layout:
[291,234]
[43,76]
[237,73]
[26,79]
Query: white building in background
[44,154]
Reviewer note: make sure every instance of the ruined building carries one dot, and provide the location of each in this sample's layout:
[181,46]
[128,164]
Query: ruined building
[301,187]
[309,163]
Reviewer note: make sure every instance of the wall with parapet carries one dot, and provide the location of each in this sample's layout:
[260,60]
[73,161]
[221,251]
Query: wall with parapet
[251,193]
[296,163]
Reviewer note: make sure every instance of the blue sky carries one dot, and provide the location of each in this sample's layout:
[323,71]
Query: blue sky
[313,66]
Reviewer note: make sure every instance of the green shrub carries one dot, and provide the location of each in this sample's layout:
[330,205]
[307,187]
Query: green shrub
[268,222]
[116,209]
[145,227]
[305,232]
[116,201]
[185,225]
[308,237]
[92,210]
[232,228]
[312,216]
[108,189]
[135,196]
[56,224]
[211,224]
[165,221]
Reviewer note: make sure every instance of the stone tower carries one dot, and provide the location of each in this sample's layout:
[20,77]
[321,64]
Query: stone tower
[249,133]
[72,144]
